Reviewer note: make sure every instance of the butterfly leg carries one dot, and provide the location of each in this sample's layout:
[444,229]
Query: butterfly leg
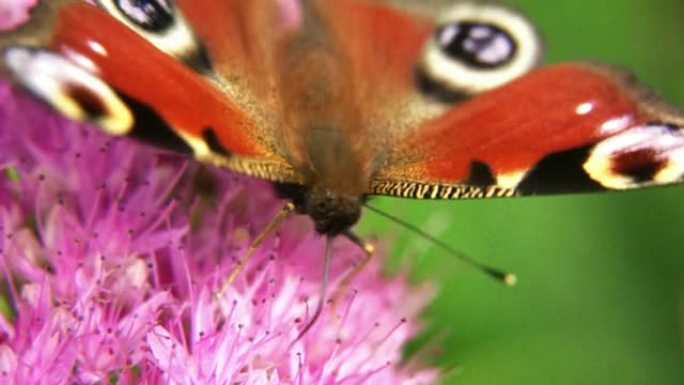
[268,230]
[346,280]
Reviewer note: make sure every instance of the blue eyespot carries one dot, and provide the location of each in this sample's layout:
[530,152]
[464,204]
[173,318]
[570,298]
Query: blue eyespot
[477,45]
[150,15]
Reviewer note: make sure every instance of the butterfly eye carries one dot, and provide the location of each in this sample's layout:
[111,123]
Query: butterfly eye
[151,15]
[477,47]
[162,24]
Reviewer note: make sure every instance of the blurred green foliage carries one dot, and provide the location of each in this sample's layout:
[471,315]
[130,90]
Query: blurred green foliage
[601,291]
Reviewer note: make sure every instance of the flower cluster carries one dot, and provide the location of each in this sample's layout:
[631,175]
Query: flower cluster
[112,253]
[14,12]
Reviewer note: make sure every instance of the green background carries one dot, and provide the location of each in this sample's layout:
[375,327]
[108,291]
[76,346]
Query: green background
[601,291]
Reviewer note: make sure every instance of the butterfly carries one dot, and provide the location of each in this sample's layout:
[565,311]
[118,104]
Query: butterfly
[337,101]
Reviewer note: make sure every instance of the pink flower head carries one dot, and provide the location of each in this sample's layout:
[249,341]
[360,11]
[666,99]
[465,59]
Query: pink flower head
[112,254]
[14,12]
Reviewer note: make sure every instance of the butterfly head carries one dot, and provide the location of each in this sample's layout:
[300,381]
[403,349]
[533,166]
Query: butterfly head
[332,212]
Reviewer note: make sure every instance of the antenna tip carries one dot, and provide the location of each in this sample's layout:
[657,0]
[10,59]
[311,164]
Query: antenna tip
[510,279]
[507,279]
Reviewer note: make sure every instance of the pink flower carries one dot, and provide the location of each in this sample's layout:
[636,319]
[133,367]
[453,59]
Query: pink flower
[113,252]
[14,12]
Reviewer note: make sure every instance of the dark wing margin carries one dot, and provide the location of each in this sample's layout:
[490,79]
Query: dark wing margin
[420,190]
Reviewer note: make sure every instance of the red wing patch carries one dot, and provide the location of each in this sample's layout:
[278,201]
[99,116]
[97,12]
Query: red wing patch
[186,101]
[563,128]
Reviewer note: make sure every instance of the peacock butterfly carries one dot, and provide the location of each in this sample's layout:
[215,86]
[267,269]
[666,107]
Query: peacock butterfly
[337,101]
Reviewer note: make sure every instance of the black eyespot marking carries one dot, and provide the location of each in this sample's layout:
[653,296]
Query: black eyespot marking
[214,142]
[436,90]
[669,126]
[200,60]
[641,165]
[480,175]
[91,103]
[150,15]
[561,172]
[151,128]
[478,45]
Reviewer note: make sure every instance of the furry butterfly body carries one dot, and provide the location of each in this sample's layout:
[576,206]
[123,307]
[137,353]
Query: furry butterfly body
[337,101]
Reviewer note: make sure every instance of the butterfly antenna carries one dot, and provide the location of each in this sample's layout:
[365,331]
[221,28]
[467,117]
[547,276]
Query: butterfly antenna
[506,278]
[323,290]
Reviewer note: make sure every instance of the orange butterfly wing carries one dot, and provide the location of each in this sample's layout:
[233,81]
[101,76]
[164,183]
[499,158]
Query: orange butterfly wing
[565,128]
[538,135]
[195,110]
[573,127]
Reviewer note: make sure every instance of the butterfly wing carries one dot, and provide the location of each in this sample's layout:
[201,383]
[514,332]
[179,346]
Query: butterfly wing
[566,128]
[573,127]
[209,89]
[154,78]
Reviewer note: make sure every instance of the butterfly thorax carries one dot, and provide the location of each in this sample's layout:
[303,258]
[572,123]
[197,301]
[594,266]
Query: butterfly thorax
[321,147]
[321,125]
[334,180]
